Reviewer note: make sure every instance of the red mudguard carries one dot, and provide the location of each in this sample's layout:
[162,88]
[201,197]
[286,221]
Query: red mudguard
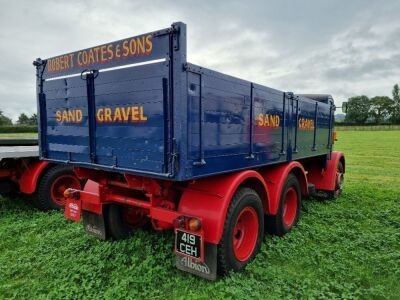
[325,179]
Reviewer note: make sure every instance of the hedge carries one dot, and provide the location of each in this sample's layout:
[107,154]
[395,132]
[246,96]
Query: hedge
[19,129]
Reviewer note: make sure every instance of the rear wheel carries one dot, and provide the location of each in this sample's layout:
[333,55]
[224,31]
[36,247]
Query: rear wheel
[51,187]
[122,220]
[243,231]
[289,208]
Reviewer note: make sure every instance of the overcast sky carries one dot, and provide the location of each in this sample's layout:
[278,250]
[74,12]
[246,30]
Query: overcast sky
[344,48]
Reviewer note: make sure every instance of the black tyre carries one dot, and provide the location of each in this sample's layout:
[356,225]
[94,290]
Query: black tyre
[289,208]
[121,221]
[339,185]
[243,231]
[51,187]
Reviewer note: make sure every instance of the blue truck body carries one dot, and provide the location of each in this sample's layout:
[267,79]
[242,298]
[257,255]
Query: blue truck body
[137,106]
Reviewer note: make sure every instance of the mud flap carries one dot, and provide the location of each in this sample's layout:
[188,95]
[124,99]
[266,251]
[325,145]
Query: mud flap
[94,224]
[207,269]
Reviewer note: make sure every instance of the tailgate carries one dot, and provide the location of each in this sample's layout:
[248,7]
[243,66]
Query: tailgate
[109,106]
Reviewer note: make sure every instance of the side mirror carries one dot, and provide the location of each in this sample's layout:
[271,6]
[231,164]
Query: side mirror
[344,107]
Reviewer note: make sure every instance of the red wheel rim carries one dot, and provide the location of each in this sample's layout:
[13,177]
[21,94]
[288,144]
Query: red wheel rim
[59,185]
[290,207]
[245,233]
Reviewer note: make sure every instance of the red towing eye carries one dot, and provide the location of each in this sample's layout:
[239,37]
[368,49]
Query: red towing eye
[72,194]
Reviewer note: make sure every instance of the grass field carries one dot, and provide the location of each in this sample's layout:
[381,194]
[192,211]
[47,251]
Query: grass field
[18,135]
[345,249]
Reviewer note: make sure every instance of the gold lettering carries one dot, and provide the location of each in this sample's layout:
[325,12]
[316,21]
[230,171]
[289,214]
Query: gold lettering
[125,113]
[260,122]
[100,115]
[96,52]
[266,120]
[58,116]
[78,116]
[110,52]
[149,44]
[135,114]
[57,63]
[71,116]
[64,116]
[79,58]
[84,58]
[125,48]
[102,55]
[142,117]
[107,115]
[117,115]
[91,57]
[140,44]
[118,51]
[132,47]
[71,59]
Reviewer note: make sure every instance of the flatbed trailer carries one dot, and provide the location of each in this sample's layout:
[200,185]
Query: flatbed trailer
[22,171]
[215,158]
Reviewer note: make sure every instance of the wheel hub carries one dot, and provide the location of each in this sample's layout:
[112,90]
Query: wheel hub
[60,185]
[245,233]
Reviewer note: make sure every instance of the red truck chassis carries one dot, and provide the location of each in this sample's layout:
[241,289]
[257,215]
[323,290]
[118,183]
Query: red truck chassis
[200,207]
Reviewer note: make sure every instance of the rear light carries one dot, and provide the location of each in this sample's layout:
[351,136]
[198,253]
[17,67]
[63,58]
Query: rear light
[194,224]
[188,223]
[334,136]
[72,194]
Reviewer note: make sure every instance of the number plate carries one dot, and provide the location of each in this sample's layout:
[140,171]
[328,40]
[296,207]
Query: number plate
[189,244]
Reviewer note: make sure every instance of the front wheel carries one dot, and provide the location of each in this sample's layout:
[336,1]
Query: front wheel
[243,231]
[339,183]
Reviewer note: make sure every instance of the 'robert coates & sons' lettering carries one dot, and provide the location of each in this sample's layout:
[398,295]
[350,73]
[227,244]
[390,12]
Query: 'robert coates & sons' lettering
[127,114]
[137,46]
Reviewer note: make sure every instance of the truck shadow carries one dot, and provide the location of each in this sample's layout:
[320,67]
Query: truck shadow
[16,202]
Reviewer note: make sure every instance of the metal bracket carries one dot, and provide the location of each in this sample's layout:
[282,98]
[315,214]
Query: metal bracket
[89,76]
[175,36]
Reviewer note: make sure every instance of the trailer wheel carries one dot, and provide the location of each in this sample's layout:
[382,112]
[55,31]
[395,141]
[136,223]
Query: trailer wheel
[243,231]
[289,208]
[51,187]
[122,220]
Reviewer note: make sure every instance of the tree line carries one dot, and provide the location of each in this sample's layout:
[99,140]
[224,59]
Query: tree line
[376,110]
[23,120]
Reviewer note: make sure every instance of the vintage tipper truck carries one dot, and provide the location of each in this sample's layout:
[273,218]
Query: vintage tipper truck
[161,141]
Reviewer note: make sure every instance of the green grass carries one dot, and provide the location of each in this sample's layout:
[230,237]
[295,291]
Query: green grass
[367,127]
[30,134]
[344,249]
